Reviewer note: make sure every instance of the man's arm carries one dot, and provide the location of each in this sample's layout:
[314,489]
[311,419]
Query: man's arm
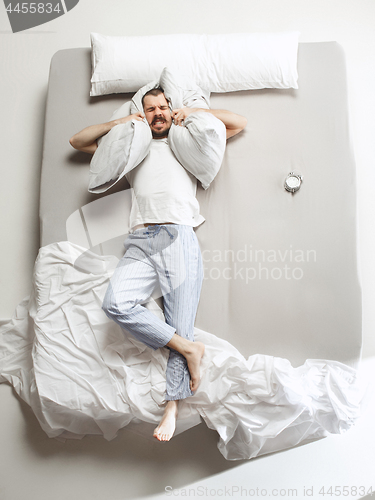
[85,140]
[233,123]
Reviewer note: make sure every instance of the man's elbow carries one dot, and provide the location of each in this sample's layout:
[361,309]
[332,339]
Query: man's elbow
[73,142]
[91,148]
[243,123]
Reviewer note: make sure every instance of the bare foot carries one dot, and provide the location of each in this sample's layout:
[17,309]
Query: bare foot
[193,353]
[164,431]
[193,357]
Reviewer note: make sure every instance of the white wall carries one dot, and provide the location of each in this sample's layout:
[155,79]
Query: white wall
[25,59]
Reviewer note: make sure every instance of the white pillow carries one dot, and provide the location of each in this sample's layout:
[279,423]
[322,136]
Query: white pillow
[179,90]
[126,145]
[218,63]
[119,151]
[199,145]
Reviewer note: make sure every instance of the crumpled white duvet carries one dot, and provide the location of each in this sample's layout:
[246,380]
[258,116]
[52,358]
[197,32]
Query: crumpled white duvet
[82,374]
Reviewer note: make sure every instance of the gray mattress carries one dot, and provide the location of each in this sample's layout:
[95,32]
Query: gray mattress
[281,272]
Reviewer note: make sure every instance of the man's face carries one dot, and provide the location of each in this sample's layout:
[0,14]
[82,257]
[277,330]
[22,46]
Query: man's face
[158,115]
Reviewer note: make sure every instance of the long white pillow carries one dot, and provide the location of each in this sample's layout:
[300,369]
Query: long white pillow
[217,63]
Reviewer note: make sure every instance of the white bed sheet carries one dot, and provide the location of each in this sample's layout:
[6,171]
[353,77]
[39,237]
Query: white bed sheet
[82,374]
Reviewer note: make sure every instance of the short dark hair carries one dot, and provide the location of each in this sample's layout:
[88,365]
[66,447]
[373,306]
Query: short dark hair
[155,92]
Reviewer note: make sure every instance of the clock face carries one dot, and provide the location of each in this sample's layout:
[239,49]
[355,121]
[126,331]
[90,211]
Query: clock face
[292,182]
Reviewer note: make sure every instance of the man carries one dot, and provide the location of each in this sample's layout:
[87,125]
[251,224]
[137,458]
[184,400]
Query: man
[164,198]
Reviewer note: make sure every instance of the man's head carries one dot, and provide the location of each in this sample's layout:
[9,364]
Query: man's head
[157,113]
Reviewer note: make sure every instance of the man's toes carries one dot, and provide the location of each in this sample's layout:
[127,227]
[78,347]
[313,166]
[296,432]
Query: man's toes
[161,436]
[156,434]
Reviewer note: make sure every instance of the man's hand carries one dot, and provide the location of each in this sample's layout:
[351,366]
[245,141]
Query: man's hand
[135,116]
[179,115]
[233,123]
[85,140]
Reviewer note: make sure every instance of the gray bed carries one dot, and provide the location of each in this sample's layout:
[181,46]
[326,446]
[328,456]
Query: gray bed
[281,272]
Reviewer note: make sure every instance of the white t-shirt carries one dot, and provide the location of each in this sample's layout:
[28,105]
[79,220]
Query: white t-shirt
[163,190]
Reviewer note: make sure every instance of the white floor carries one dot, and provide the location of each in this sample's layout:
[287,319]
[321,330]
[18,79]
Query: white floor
[34,467]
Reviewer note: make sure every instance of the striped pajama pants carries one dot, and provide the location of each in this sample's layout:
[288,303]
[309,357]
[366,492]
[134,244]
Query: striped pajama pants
[169,256]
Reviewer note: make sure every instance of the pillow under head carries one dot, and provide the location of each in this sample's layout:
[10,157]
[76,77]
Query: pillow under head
[218,63]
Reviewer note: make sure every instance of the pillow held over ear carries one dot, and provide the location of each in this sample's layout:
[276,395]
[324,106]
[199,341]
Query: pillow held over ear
[119,151]
[199,145]
[179,91]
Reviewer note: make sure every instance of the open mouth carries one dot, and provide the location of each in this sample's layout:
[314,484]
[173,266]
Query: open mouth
[159,121]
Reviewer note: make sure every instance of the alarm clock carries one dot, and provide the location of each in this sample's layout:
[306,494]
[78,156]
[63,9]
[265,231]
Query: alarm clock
[293,181]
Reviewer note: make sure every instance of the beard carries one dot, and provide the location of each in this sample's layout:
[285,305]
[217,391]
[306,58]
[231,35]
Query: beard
[159,134]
